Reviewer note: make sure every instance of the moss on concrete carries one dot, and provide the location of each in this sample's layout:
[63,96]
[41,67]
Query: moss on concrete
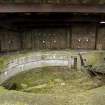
[93,96]
[2,90]
[55,86]
[92,57]
[54,80]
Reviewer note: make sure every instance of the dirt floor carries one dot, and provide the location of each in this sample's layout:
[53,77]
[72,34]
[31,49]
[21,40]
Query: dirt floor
[54,86]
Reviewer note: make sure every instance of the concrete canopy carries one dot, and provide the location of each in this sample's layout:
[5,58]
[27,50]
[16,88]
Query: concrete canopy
[33,7]
[56,1]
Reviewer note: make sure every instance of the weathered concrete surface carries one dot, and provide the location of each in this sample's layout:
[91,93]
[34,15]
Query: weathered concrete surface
[70,59]
[83,36]
[9,41]
[37,60]
[78,36]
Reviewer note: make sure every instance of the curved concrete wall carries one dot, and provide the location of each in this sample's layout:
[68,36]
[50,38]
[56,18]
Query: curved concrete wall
[37,60]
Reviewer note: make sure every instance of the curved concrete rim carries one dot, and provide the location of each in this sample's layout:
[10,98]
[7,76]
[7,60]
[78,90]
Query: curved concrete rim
[45,59]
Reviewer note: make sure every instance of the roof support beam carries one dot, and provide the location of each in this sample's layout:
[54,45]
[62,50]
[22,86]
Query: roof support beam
[22,7]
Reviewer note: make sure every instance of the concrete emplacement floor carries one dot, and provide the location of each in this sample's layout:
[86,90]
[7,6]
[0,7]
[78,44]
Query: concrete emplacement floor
[62,82]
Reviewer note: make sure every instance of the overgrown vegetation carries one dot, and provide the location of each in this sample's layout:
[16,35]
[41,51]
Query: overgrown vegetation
[2,90]
[53,80]
[55,85]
